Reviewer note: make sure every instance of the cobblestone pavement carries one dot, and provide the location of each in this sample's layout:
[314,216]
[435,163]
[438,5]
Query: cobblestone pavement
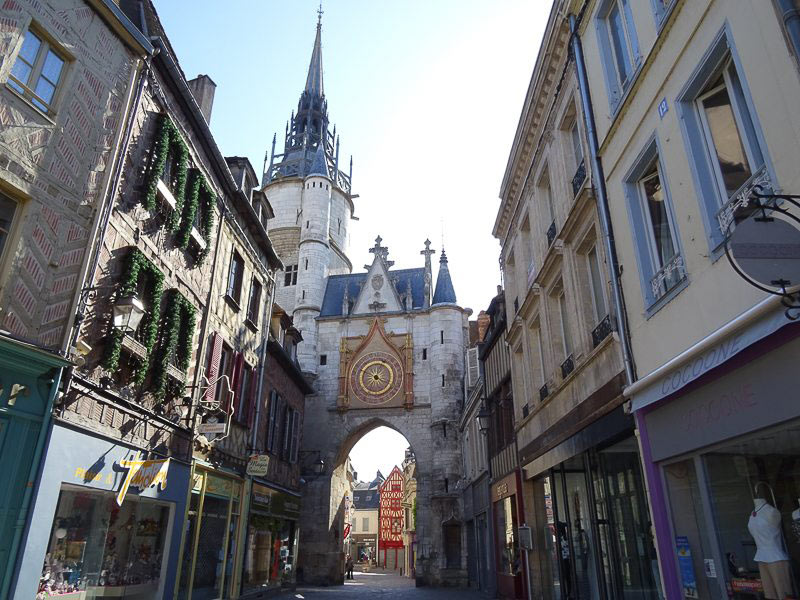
[382,585]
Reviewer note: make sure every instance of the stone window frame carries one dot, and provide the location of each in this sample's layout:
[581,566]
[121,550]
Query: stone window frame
[720,54]
[651,151]
[48,44]
[615,88]
[12,233]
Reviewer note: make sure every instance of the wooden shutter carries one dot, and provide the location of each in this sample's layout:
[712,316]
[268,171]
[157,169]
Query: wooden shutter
[236,382]
[214,356]
[252,398]
[295,436]
[273,414]
[287,432]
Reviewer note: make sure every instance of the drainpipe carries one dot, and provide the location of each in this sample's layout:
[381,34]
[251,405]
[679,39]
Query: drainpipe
[791,21]
[602,201]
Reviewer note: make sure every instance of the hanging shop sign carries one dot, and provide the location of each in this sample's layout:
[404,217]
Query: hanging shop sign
[762,242]
[143,474]
[347,531]
[258,465]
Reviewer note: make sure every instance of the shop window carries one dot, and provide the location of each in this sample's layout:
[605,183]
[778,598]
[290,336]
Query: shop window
[98,548]
[235,277]
[269,547]
[506,522]
[721,134]
[37,71]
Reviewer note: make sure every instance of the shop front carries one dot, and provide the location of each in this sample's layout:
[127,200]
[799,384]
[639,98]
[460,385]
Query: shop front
[508,516]
[29,378]
[726,449]
[592,536]
[106,522]
[211,535]
[270,547]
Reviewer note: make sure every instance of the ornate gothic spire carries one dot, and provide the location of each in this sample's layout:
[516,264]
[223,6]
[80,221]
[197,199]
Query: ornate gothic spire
[314,85]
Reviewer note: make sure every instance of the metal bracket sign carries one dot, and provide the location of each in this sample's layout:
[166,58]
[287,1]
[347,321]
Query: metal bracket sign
[217,421]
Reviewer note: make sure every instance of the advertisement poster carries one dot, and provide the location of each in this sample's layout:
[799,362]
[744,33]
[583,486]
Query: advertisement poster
[686,567]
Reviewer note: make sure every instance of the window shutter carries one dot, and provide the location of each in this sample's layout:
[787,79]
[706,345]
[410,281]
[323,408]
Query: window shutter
[214,356]
[236,383]
[252,398]
[287,432]
[279,416]
[473,370]
[273,413]
[295,436]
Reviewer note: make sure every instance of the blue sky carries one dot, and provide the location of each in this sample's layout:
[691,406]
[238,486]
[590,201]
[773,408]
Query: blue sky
[426,96]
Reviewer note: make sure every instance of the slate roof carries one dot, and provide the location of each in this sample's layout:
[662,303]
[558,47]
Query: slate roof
[334,291]
[320,165]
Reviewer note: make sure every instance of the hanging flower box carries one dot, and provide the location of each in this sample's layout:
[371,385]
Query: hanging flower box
[163,191]
[175,373]
[134,347]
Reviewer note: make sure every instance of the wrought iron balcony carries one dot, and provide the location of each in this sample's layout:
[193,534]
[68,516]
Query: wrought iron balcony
[568,366]
[543,392]
[668,276]
[551,233]
[738,205]
[579,178]
[601,332]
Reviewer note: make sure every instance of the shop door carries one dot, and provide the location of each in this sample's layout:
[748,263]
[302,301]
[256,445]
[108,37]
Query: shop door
[18,440]
[636,573]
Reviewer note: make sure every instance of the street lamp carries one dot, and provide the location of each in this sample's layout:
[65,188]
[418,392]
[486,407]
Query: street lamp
[311,470]
[483,419]
[128,313]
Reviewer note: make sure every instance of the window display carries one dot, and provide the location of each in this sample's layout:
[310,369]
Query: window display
[103,549]
[751,485]
[506,513]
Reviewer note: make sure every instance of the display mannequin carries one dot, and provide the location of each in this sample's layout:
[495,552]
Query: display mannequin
[773,562]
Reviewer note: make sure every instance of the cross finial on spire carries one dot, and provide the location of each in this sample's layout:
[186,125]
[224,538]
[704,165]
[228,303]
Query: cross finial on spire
[319,15]
[427,252]
[377,249]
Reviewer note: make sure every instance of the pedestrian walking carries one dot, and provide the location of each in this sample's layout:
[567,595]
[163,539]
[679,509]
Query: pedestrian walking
[349,567]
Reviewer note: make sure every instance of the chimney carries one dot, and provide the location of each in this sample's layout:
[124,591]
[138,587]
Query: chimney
[483,325]
[203,88]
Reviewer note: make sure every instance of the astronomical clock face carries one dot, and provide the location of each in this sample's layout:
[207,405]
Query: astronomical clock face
[376,377]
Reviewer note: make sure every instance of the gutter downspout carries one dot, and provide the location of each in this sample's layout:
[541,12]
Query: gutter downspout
[602,201]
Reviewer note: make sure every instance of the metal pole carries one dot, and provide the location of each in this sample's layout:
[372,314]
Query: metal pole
[602,201]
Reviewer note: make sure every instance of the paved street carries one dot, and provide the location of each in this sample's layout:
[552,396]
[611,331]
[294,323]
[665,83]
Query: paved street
[381,584]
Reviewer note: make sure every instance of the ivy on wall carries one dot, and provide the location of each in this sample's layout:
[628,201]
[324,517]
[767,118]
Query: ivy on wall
[177,340]
[138,265]
[201,197]
[168,139]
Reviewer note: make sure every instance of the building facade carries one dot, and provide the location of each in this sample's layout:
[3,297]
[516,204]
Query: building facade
[578,450]
[364,531]
[59,159]
[693,119]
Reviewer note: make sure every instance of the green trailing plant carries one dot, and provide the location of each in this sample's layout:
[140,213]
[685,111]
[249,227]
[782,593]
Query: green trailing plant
[138,265]
[200,197]
[176,340]
[168,138]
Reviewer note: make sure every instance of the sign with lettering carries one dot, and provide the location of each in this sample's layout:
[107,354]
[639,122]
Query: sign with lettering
[143,474]
[662,108]
[258,465]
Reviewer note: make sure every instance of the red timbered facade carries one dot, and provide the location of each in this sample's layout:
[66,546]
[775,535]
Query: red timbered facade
[390,514]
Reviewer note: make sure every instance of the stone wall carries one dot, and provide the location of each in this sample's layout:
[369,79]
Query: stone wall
[56,166]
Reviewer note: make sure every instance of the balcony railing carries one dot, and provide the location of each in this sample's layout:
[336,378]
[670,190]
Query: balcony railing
[568,366]
[739,202]
[579,178]
[551,233]
[601,332]
[668,276]
[543,392]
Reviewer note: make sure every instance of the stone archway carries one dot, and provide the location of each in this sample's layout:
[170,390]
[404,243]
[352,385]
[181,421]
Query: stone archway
[321,559]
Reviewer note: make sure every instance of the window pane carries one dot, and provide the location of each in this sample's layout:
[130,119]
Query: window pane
[727,141]
[52,67]
[597,285]
[7,209]
[616,26]
[22,72]
[30,48]
[562,306]
[576,144]
[659,220]
[45,90]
